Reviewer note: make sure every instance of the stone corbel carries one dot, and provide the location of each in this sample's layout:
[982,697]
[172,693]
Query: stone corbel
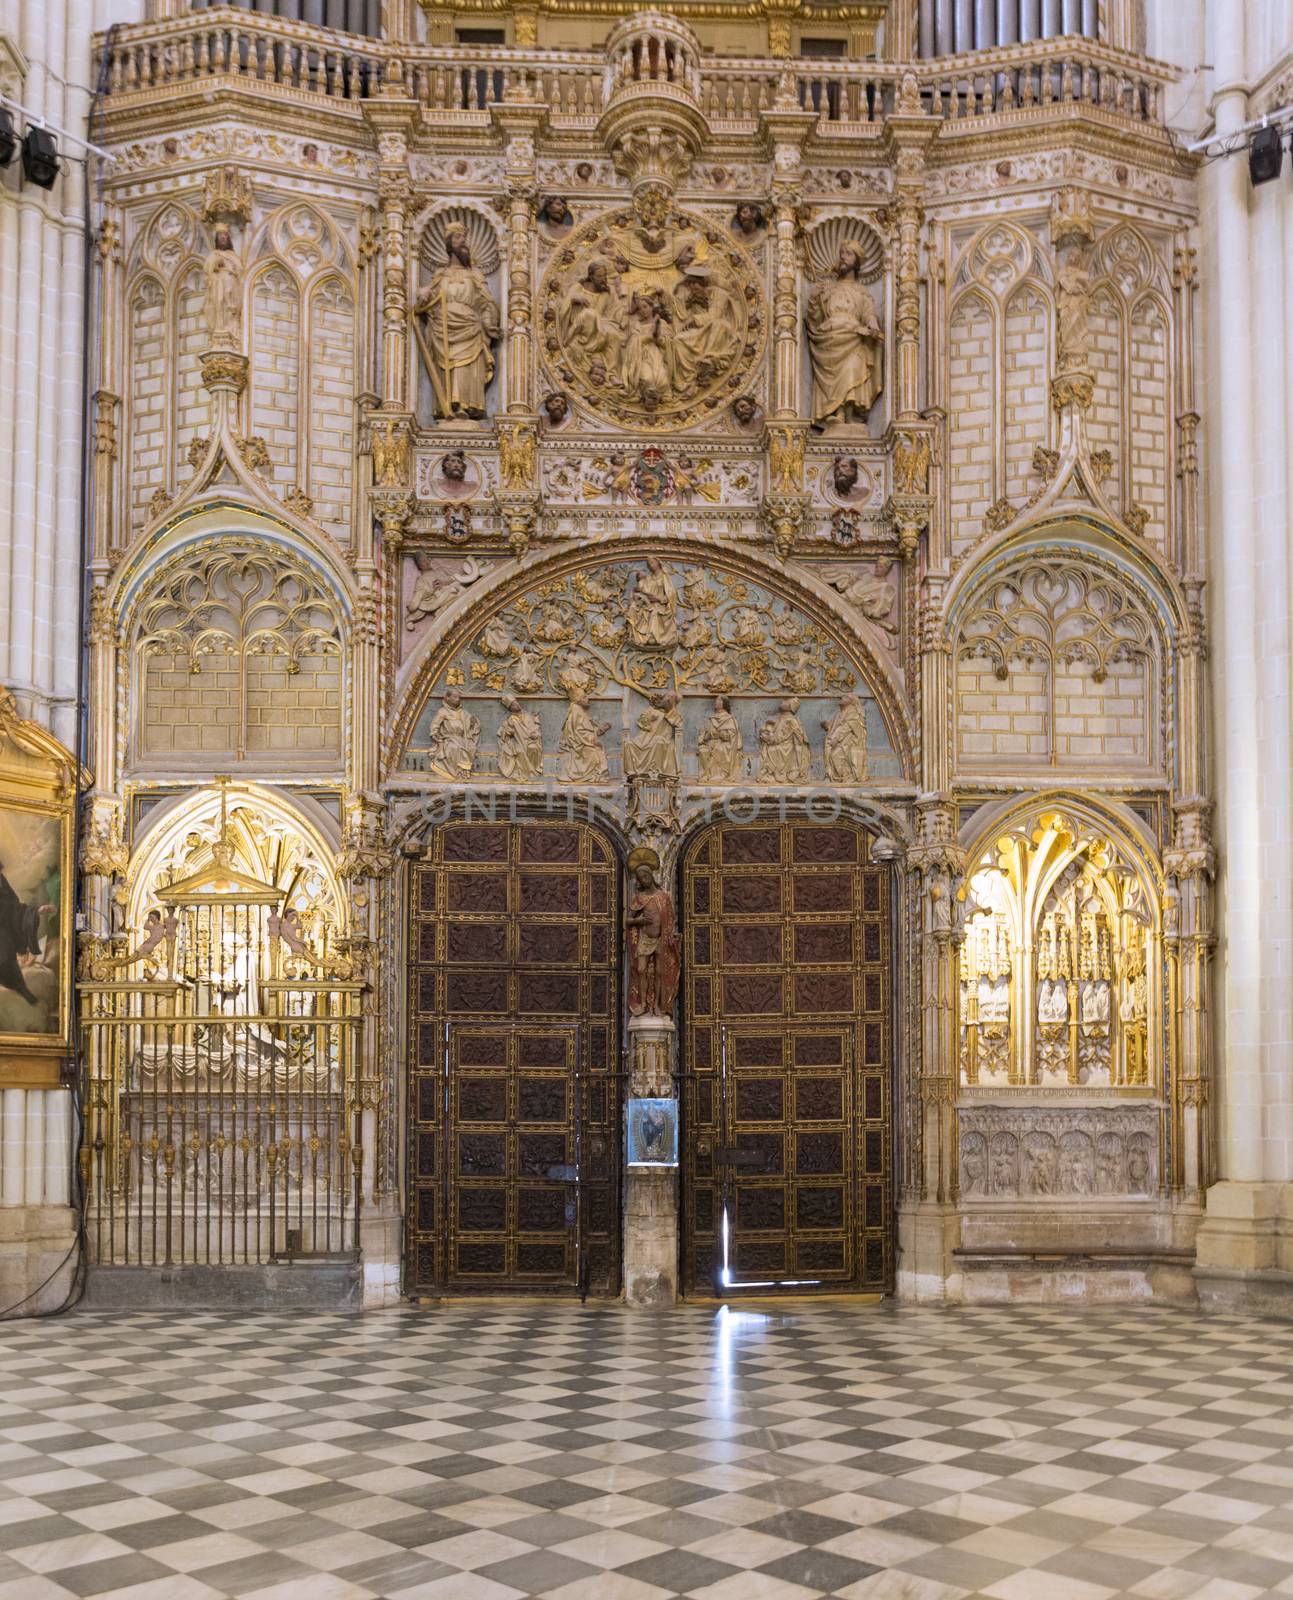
[785,517]
[519,514]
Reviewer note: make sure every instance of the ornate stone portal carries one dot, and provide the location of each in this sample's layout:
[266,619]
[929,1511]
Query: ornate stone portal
[684,437]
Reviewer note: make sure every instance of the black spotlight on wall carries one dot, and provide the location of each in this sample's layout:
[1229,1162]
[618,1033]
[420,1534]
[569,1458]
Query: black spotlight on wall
[1265,155]
[8,138]
[40,157]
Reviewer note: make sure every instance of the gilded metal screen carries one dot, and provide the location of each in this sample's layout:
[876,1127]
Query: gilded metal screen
[787,1177]
[223,1117]
[513,1155]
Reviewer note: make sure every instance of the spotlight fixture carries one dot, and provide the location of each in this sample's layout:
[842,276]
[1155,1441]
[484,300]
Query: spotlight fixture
[8,138]
[40,157]
[1265,155]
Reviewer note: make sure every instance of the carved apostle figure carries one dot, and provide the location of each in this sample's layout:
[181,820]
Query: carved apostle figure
[845,342]
[222,304]
[653,611]
[655,957]
[846,742]
[460,326]
[582,758]
[520,743]
[718,750]
[784,756]
[653,752]
[454,735]
[592,318]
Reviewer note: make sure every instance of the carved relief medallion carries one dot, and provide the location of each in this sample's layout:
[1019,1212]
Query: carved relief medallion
[655,327]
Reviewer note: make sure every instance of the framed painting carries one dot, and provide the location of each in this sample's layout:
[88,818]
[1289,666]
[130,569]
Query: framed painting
[37,810]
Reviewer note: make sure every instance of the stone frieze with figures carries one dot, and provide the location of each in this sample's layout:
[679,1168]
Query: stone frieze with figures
[656,669]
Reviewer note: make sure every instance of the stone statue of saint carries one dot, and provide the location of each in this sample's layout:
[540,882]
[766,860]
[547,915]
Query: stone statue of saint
[460,324]
[846,748]
[718,750]
[653,611]
[784,756]
[582,758]
[454,735]
[520,743]
[845,342]
[1053,1000]
[871,592]
[655,956]
[653,752]
[1072,301]
[222,305]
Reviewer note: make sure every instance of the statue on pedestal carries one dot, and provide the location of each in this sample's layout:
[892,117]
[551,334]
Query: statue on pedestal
[655,953]
[222,305]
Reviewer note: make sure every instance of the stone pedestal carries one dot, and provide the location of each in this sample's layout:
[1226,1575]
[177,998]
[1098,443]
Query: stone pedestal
[1244,1249]
[651,1191]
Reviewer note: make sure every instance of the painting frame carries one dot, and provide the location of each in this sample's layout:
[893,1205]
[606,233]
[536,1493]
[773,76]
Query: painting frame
[38,783]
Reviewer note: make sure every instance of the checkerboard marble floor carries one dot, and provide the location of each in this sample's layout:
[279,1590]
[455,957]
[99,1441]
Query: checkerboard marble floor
[482,1452]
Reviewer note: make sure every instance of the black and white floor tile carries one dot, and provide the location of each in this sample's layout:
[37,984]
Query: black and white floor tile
[502,1450]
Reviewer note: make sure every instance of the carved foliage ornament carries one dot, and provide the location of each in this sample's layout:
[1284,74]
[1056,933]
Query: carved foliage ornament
[655,326]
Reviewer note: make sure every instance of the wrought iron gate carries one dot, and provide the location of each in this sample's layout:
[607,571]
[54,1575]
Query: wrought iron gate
[787,1081]
[513,1152]
[222,1108]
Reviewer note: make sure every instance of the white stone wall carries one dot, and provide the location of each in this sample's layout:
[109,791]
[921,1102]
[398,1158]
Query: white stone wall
[1027,396]
[332,403]
[275,346]
[1150,401]
[970,362]
[42,262]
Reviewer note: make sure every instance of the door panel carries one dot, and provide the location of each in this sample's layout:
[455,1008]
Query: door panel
[788,1068]
[513,1157]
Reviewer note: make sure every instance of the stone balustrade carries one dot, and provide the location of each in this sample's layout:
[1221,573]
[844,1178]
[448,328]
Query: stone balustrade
[303,64]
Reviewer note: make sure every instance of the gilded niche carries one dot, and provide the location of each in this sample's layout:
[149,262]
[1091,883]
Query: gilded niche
[652,326]
[657,670]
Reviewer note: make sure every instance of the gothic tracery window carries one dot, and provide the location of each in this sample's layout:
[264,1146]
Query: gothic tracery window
[238,657]
[1057,666]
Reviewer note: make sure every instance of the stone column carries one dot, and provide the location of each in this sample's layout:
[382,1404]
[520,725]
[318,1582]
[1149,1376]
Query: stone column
[1245,1243]
[520,119]
[909,132]
[364,863]
[651,1192]
[928,1222]
[786,127]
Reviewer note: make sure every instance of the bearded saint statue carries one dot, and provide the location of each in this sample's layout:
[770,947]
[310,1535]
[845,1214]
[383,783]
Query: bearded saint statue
[457,323]
[845,342]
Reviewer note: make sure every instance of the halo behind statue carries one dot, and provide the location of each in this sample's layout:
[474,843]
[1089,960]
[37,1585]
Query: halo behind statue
[482,241]
[823,247]
[643,856]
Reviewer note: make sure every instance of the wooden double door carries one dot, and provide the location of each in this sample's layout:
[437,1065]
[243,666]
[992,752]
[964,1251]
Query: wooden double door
[513,1155]
[787,1057]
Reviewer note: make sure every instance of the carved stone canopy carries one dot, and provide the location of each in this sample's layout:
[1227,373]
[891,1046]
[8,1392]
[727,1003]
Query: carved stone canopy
[652,125]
